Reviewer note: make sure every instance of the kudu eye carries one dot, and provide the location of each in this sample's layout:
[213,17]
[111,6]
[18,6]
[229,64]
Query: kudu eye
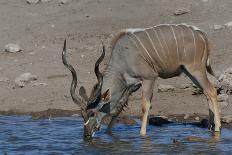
[91,114]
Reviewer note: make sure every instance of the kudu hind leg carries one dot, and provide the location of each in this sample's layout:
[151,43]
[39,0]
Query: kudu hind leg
[199,77]
[147,93]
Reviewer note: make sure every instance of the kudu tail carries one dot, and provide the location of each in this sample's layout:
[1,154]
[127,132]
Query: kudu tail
[208,65]
[209,68]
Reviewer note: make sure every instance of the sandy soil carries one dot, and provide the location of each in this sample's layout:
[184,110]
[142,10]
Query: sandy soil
[41,29]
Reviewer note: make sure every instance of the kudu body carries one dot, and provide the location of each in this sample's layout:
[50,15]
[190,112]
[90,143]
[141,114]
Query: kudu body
[143,55]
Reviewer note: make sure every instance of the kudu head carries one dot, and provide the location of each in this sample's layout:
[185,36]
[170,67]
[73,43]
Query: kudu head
[97,105]
[89,105]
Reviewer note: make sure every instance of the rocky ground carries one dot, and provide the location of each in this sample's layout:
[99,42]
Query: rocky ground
[33,78]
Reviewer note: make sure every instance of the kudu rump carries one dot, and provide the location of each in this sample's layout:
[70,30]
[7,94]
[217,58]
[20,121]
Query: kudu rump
[139,57]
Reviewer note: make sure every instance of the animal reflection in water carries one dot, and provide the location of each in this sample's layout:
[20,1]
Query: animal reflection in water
[138,58]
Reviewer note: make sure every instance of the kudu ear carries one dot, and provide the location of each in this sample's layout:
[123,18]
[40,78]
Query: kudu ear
[106,96]
[83,94]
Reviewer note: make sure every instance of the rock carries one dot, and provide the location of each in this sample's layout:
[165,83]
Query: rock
[12,48]
[25,78]
[165,88]
[4,79]
[197,118]
[0,68]
[39,84]
[45,1]
[223,104]
[62,2]
[225,81]
[159,120]
[186,116]
[223,98]
[181,11]
[33,1]
[229,24]
[217,27]
[227,119]
[205,1]
[194,139]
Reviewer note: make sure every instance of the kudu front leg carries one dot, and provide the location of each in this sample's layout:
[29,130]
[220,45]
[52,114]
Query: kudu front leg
[147,93]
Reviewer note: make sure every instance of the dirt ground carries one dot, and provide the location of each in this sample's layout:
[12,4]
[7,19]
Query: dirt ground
[40,30]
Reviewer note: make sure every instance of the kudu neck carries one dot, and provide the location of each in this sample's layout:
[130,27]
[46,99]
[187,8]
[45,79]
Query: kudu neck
[112,80]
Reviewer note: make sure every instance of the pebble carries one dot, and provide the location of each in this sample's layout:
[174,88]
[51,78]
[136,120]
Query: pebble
[62,2]
[33,1]
[223,98]
[218,27]
[12,48]
[39,84]
[165,88]
[4,79]
[25,78]
[186,116]
[229,24]
[197,118]
[227,119]
[181,11]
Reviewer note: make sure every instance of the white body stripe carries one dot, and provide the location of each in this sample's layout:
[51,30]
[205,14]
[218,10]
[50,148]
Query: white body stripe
[194,42]
[177,50]
[155,48]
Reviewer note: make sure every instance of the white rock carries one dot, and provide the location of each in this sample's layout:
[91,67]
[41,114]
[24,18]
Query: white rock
[197,118]
[12,48]
[227,119]
[223,98]
[45,1]
[181,11]
[165,88]
[39,84]
[223,104]
[33,1]
[4,79]
[25,78]
[186,116]
[218,27]
[229,24]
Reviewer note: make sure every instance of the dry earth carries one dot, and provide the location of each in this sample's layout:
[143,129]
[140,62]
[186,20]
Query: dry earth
[40,30]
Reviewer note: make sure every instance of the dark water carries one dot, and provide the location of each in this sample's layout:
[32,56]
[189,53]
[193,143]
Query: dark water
[24,136]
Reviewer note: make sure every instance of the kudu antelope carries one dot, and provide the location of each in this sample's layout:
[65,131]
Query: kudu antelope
[141,56]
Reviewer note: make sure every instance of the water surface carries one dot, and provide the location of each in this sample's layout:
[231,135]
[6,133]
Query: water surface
[22,135]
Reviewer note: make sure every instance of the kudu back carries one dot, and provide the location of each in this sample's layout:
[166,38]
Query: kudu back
[140,56]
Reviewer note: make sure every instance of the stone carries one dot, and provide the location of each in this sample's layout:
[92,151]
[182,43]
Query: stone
[197,118]
[186,116]
[181,11]
[165,88]
[223,104]
[4,79]
[39,84]
[12,48]
[33,1]
[62,2]
[25,78]
[45,1]
[159,120]
[218,27]
[225,81]
[229,24]
[223,98]
[227,119]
